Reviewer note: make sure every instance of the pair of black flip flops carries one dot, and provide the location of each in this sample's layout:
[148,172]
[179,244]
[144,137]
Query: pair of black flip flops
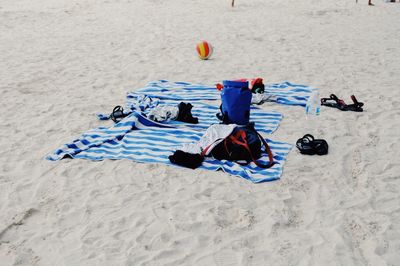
[335,102]
[310,146]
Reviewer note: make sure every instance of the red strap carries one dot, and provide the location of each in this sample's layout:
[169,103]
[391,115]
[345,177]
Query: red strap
[268,150]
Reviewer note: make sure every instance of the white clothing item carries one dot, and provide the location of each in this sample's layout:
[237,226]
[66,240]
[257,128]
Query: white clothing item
[214,135]
[163,113]
[259,98]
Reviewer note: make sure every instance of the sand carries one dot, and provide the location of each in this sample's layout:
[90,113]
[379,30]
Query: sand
[63,61]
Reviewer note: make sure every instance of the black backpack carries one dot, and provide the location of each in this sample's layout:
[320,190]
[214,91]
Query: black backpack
[243,144]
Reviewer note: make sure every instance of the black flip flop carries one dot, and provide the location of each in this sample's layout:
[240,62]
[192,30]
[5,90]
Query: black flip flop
[310,146]
[118,114]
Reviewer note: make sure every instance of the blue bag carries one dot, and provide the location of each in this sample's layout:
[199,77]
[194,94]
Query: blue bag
[236,100]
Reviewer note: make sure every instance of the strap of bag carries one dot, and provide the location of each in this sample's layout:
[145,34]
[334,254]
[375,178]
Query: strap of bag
[241,134]
[268,150]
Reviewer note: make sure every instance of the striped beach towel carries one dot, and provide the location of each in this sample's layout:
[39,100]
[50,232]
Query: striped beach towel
[283,93]
[139,139]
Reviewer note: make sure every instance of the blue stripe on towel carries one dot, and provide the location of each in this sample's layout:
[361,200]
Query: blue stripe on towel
[138,139]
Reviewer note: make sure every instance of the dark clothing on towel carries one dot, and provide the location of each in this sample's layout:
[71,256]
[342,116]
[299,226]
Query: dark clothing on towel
[185,114]
[186,159]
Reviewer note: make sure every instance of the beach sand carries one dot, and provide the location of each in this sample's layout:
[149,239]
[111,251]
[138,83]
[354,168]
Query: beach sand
[63,61]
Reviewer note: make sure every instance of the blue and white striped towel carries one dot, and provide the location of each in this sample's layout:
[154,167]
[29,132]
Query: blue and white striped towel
[283,93]
[139,139]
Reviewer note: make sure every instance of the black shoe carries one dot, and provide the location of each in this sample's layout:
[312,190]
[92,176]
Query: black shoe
[310,146]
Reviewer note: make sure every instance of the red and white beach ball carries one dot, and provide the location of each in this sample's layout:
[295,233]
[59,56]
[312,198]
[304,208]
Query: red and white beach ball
[204,50]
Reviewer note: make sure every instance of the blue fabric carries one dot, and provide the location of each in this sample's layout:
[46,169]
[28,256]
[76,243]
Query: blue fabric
[139,139]
[236,100]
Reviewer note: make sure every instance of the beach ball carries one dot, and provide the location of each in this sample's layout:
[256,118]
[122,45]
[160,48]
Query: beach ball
[204,50]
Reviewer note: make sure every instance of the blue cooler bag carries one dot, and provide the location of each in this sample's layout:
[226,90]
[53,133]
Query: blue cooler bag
[236,100]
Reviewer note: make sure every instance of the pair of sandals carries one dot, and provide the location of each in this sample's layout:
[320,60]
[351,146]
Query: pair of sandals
[310,146]
[334,101]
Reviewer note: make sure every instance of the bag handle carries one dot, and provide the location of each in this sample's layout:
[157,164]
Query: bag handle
[268,150]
